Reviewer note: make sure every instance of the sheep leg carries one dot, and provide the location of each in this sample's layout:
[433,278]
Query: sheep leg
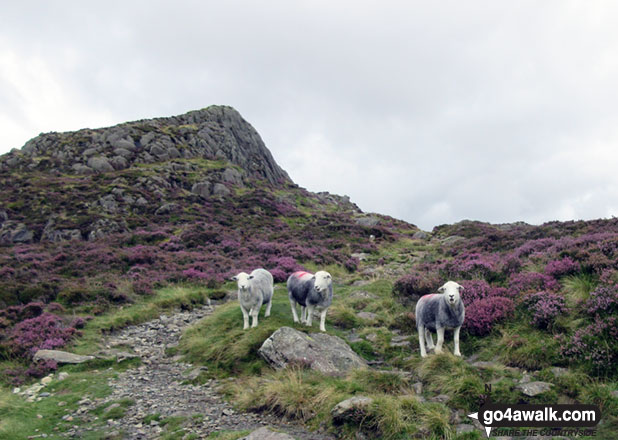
[323,320]
[309,311]
[293,305]
[429,339]
[303,314]
[254,313]
[440,332]
[268,306]
[245,317]
[456,352]
[421,340]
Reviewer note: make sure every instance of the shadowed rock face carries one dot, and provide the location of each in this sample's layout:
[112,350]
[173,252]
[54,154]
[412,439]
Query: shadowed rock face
[216,132]
[318,351]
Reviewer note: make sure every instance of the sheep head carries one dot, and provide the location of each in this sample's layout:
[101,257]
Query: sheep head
[451,291]
[242,279]
[322,281]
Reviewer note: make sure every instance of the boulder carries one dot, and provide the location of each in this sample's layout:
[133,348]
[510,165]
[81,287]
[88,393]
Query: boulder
[321,352]
[233,176]
[534,388]
[367,221]
[202,189]
[265,433]
[353,409]
[367,315]
[100,164]
[119,163]
[14,232]
[62,357]
[220,190]
[3,217]
[420,235]
[166,208]
[80,168]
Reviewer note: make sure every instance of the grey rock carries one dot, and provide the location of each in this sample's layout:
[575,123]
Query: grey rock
[50,233]
[534,388]
[452,239]
[90,152]
[104,227]
[485,365]
[202,189]
[3,217]
[367,315]
[141,202]
[559,371]
[158,151]
[119,163]
[123,152]
[360,256]
[353,409]
[124,144]
[318,351]
[420,235]
[441,398]
[62,357]
[108,203]
[14,232]
[147,138]
[231,175]
[173,152]
[80,168]
[265,433]
[220,190]
[418,388]
[463,428]
[367,221]
[167,208]
[100,164]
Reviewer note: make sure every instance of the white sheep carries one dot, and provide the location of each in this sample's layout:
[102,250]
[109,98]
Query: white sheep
[311,292]
[435,312]
[253,291]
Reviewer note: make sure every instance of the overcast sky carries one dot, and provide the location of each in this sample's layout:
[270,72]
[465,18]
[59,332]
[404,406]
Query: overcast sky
[431,112]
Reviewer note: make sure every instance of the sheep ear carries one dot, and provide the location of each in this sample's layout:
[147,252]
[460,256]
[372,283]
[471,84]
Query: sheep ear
[461,288]
[250,277]
[313,277]
[234,278]
[441,289]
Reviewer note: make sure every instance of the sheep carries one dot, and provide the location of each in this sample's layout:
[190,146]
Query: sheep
[311,292]
[435,312]
[253,291]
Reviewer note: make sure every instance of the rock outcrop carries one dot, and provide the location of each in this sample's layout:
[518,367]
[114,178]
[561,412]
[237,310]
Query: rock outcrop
[325,353]
[216,132]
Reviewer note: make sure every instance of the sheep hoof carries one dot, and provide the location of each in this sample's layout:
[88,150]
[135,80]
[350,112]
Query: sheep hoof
[457,354]
[423,355]
[438,351]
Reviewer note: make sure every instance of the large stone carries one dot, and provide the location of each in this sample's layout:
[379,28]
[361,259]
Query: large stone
[367,221]
[220,190]
[353,409]
[62,357]
[100,164]
[167,208]
[202,189]
[321,352]
[14,232]
[232,176]
[265,433]
[534,388]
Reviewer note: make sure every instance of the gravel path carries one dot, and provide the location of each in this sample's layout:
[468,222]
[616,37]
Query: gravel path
[156,388]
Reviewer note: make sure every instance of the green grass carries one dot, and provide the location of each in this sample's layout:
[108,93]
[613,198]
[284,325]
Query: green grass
[578,287]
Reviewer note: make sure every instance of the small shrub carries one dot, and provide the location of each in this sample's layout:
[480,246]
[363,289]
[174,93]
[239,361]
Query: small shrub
[560,268]
[414,285]
[595,346]
[544,307]
[603,301]
[43,332]
[528,282]
[483,314]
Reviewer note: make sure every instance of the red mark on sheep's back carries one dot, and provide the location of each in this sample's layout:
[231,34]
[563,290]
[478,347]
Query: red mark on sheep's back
[427,296]
[301,274]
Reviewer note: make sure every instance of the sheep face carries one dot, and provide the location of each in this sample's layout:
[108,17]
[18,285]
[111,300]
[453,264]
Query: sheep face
[452,291]
[243,281]
[322,281]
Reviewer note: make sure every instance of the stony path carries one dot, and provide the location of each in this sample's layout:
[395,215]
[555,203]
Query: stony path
[156,387]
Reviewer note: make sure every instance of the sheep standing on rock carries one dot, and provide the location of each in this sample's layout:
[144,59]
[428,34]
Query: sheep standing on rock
[253,291]
[435,312]
[311,292]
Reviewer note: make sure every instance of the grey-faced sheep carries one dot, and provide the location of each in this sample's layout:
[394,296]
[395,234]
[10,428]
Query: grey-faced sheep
[311,292]
[254,290]
[436,312]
